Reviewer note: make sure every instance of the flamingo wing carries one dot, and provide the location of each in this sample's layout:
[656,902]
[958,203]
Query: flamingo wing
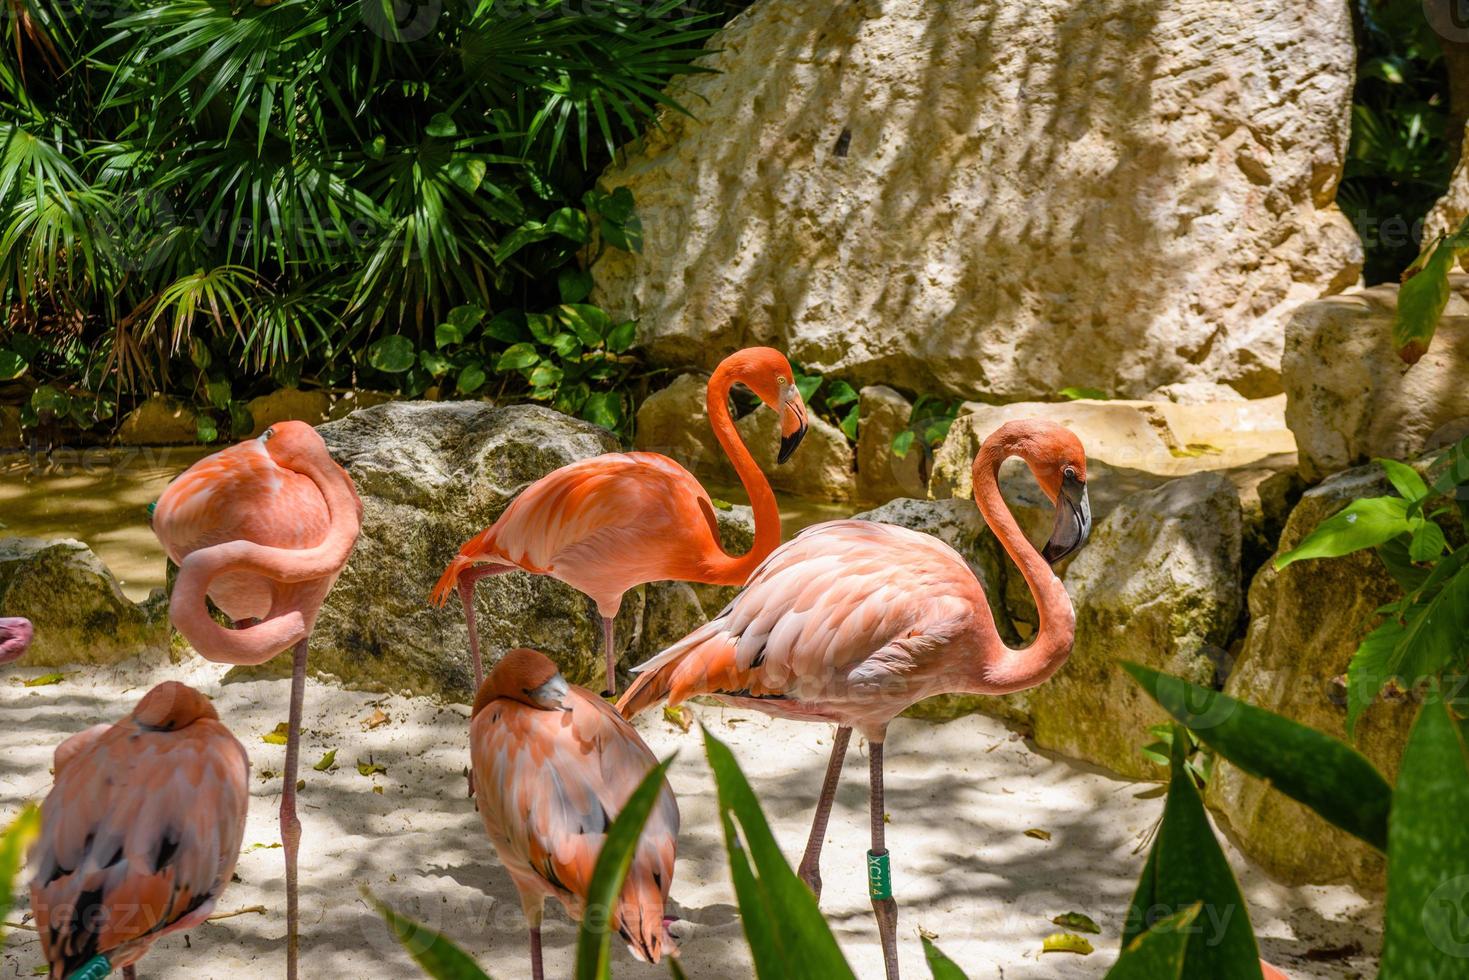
[139,837]
[845,604]
[549,783]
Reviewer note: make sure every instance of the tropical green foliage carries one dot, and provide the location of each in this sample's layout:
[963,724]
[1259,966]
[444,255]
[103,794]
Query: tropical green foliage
[1400,157]
[1423,633]
[206,197]
[14,841]
[1425,293]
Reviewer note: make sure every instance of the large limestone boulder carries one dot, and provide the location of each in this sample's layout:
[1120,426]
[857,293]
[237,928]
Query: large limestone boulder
[675,422]
[1350,398]
[430,475]
[1305,624]
[997,199]
[1159,584]
[312,407]
[79,611]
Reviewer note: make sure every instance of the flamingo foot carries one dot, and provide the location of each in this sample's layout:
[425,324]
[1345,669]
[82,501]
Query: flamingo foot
[290,822]
[810,869]
[129,973]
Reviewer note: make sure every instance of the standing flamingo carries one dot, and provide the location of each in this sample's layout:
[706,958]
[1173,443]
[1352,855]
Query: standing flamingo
[15,638]
[607,524]
[853,621]
[553,766]
[140,834]
[263,528]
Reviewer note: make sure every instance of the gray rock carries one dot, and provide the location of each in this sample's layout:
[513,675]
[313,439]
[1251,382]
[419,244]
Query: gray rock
[1305,624]
[1350,398]
[431,475]
[978,197]
[79,611]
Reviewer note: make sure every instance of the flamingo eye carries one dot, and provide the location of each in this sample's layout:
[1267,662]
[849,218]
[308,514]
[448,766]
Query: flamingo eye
[780,379]
[265,436]
[1069,473]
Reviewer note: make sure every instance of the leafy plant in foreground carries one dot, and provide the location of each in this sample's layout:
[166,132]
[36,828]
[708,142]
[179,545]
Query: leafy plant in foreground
[1425,293]
[15,840]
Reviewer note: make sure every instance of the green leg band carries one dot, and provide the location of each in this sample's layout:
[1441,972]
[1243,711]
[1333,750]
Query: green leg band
[879,876]
[94,969]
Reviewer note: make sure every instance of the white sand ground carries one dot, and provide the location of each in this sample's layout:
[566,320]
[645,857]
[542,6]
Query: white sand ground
[960,797]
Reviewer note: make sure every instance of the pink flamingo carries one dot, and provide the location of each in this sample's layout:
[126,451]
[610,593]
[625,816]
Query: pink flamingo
[853,621]
[139,835]
[263,529]
[607,524]
[553,766]
[15,638]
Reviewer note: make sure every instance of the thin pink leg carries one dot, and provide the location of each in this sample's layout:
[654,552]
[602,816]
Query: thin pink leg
[129,973]
[611,651]
[290,823]
[810,870]
[536,971]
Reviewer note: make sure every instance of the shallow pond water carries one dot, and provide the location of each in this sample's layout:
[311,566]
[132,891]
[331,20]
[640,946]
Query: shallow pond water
[100,496]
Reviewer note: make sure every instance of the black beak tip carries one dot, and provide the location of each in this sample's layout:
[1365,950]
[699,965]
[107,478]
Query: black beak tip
[789,443]
[1054,553]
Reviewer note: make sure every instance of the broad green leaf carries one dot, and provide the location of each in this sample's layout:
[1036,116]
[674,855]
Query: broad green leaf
[807,385]
[594,939]
[1317,770]
[1424,294]
[1186,867]
[434,363]
[617,205]
[604,408]
[436,955]
[545,375]
[1370,669]
[840,393]
[1428,542]
[1424,935]
[49,399]
[218,392]
[849,423]
[1362,524]
[785,929]
[12,365]
[902,442]
[939,965]
[517,357]
[541,327]
[573,284]
[530,231]
[570,223]
[242,420]
[466,317]
[441,124]
[1404,479]
[1159,953]
[392,354]
[327,761]
[205,428]
[471,379]
[15,841]
[626,235]
[589,323]
[508,326]
[1398,561]
[622,336]
[566,344]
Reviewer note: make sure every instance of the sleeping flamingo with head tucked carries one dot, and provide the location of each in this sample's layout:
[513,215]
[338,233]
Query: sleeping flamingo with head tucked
[15,638]
[853,621]
[263,529]
[140,834]
[613,522]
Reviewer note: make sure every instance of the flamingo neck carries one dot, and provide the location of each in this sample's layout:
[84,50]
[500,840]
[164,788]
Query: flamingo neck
[1016,670]
[726,569]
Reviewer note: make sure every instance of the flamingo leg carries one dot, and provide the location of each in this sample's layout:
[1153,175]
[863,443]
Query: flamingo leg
[129,973]
[884,909]
[466,596]
[611,652]
[537,972]
[290,823]
[810,870]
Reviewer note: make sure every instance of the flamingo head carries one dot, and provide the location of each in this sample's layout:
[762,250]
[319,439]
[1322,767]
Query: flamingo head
[1058,462]
[171,706]
[527,676]
[291,440]
[15,637]
[766,372]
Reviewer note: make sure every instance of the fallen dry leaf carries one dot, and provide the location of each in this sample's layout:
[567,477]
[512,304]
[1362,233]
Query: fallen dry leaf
[1066,942]
[1038,834]
[676,715]
[1078,922]
[278,736]
[377,719]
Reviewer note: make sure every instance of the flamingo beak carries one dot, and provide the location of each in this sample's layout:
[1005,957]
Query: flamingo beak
[1073,521]
[552,694]
[792,424]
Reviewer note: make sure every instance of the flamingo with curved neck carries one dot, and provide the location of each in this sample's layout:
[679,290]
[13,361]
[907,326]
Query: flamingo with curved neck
[15,638]
[853,621]
[613,522]
[263,529]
